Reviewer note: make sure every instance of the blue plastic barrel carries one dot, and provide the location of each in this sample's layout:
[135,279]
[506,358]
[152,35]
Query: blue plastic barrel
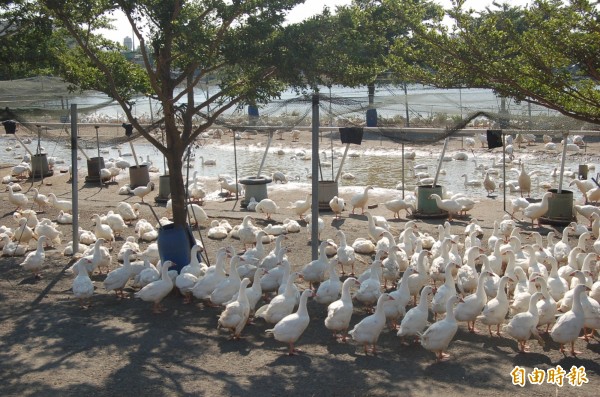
[174,244]
[372,118]
[252,110]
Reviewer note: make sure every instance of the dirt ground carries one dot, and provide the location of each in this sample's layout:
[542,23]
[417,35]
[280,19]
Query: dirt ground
[50,346]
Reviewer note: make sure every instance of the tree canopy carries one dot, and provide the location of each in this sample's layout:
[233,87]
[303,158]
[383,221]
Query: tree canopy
[545,53]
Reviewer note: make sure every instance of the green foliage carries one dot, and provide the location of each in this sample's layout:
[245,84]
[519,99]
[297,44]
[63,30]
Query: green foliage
[545,53]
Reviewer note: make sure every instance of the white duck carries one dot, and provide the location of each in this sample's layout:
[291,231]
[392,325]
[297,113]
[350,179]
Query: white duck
[40,199]
[557,286]
[18,199]
[415,320]
[546,306]
[83,287]
[329,290]
[64,205]
[143,191]
[236,313]
[452,207]
[360,200]
[370,289]
[446,290]
[345,253]
[524,324]
[536,210]
[367,331]
[569,325]
[397,308]
[127,211]
[291,327]
[337,206]
[225,290]
[496,309]
[281,305]
[466,277]
[214,275]
[438,336]
[397,205]
[267,207]
[157,290]
[102,230]
[562,248]
[339,312]
[375,231]
[417,281]
[301,206]
[34,261]
[247,232]
[314,271]
[473,304]
[117,279]
[115,221]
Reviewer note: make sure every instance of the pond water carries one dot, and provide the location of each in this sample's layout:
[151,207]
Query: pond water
[380,166]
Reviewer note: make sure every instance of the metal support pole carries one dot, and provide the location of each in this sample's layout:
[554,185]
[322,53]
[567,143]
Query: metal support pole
[504,170]
[314,240]
[337,177]
[562,162]
[439,167]
[74,188]
[402,170]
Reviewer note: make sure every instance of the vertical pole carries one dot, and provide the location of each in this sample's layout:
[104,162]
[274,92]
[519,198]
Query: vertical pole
[562,162]
[74,188]
[503,170]
[407,124]
[237,193]
[439,166]
[402,170]
[314,239]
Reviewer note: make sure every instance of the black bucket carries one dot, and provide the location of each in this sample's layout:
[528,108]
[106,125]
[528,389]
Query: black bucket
[39,166]
[254,186]
[94,165]
[139,175]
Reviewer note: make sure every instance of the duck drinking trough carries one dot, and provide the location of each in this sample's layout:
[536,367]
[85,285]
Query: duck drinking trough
[39,166]
[327,190]
[560,208]
[94,165]
[254,186]
[139,175]
[164,189]
[426,207]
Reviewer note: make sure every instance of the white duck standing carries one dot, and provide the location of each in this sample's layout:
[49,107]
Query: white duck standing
[143,191]
[569,325]
[367,331]
[236,314]
[524,324]
[281,305]
[101,230]
[397,205]
[314,271]
[267,207]
[339,312]
[473,304]
[396,308]
[64,205]
[337,206]
[370,289]
[291,327]
[360,200]
[247,232]
[329,290]
[495,311]
[301,206]
[415,320]
[83,287]
[452,207]
[18,199]
[34,261]
[439,334]
[225,290]
[117,278]
[546,306]
[214,275]
[446,290]
[345,253]
[157,290]
[534,211]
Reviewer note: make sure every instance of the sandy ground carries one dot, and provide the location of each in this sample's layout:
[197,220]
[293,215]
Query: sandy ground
[53,347]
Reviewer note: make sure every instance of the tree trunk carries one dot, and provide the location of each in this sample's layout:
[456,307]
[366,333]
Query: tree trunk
[174,158]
